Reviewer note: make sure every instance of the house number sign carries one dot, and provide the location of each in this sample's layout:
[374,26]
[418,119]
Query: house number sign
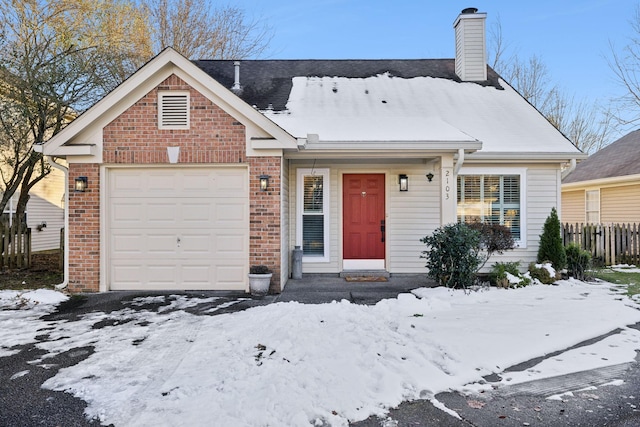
[447,178]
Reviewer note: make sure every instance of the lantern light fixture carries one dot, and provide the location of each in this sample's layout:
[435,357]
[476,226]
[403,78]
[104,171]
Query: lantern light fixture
[264,182]
[430,176]
[404,182]
[81,184]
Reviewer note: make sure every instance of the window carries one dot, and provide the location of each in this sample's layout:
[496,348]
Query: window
[495,199]
[592,206]
[173,110]
[313,214]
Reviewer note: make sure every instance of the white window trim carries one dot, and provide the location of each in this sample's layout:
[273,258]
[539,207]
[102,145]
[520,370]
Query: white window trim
[522,242]
[325,209]
[586,206]
[161,95]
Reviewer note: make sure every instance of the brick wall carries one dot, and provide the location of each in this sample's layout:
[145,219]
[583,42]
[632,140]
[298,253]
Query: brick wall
[84,229]
[214,137]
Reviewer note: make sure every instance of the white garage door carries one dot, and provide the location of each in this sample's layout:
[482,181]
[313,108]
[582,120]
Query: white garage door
[178,228]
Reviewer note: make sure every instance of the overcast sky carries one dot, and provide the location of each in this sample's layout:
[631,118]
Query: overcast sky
[570,36]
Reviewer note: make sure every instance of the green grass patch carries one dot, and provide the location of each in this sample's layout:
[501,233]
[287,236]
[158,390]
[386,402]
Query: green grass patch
[628,279]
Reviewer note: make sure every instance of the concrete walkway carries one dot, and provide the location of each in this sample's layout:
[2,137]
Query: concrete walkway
[324,288]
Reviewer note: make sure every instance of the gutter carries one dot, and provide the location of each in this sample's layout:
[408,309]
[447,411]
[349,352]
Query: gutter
[65,281]
[460,162]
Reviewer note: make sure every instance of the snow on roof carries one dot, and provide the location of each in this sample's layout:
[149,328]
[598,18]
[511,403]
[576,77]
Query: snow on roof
[388,108]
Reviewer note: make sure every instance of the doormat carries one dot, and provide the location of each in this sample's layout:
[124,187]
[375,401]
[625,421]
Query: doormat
[365,279]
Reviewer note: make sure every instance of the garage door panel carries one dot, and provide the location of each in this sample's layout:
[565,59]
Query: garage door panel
[230,213]
[196,275]
[197,245]
[231,276]
[178,228]
[127,213]
[198,214]
[160,213]
[230,245]
[126,245]
[160,244]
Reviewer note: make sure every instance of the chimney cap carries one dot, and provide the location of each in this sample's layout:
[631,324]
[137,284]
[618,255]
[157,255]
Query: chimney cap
[469,10]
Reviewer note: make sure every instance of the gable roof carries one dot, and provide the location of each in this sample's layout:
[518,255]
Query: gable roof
[617,159]
[382,101]
[82,136]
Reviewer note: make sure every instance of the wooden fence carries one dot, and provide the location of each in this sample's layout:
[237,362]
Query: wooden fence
[15,244]
[609,244]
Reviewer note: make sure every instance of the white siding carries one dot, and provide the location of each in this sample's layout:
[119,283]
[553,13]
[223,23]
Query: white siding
[38,211]
[470,48]
[410,215]
[46,205]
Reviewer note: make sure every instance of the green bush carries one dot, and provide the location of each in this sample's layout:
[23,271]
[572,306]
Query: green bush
[454,255]
[498,275]
[551,248]
[537,271]
[578,261]
[493,238]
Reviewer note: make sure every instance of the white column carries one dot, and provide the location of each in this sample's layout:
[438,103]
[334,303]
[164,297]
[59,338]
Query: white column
[448,204]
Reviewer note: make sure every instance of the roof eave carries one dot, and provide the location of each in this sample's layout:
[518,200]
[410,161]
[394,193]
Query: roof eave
[526,157]
[609,181]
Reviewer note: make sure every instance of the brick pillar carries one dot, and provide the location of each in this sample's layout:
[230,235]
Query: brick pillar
[84,230]
[264,217]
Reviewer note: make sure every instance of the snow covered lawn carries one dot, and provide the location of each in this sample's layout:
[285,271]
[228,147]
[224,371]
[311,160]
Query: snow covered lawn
[295,364]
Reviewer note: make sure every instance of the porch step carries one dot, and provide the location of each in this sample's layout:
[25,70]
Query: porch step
[364,273]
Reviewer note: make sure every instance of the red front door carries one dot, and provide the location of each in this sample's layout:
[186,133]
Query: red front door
[363,213]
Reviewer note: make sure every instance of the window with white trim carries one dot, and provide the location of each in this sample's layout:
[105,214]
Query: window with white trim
[494,199]
[313,214]
[592,206]
[173,110]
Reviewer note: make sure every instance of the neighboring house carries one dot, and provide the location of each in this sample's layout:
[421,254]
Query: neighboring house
[197,170]
[45,211]
[605,187]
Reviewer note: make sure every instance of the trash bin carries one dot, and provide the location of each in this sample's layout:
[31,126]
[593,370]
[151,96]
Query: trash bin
[296,261]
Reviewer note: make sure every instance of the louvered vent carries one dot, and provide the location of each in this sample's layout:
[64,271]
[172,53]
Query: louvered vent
[174,110]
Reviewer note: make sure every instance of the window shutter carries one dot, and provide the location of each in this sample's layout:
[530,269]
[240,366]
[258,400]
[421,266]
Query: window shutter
[174,110]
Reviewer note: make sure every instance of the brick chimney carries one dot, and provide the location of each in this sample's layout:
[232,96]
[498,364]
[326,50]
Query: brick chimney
[471,46]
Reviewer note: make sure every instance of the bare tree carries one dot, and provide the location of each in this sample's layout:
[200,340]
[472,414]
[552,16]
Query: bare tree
[587,125]
[197,30]
[626,69]
[53,57]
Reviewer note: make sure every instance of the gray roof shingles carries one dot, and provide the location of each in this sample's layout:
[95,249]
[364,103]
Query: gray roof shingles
[267,83]
[620,158]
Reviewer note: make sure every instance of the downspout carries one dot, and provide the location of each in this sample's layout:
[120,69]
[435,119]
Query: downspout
[572,167]
[459,162]
[65,281]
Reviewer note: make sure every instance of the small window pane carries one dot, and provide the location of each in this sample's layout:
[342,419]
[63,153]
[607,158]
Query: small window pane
[313,194]
[313,235]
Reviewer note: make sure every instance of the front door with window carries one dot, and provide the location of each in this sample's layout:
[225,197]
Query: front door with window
[363,221]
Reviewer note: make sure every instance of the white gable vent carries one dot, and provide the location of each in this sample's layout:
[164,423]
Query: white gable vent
[173,110]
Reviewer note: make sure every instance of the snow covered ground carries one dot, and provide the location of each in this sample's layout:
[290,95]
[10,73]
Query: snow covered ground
[298,365]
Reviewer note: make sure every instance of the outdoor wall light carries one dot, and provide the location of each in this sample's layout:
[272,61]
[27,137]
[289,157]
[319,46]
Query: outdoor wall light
[81,183]
[404,182]
[430,176]
[264,182]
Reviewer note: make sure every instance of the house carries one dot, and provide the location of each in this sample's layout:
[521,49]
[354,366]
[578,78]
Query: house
[45,211]
[605,188]
[192,171]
